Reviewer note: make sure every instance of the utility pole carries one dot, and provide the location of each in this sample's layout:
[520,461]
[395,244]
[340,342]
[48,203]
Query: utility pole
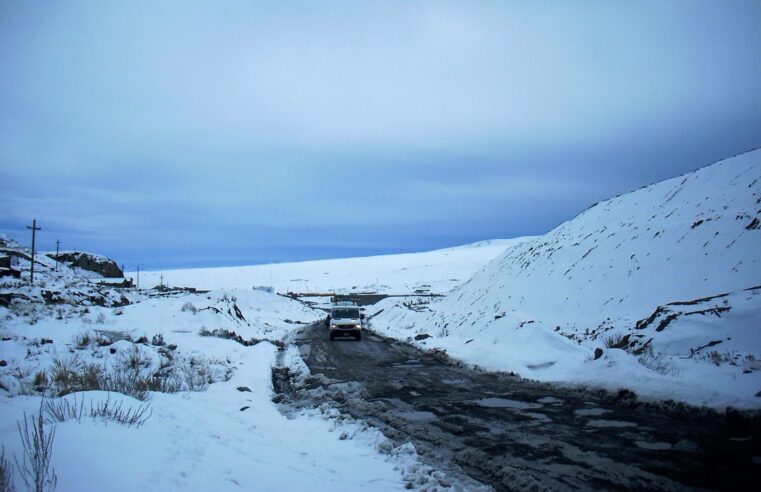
[162,281]
[138,277]
[34,229]
[57,248]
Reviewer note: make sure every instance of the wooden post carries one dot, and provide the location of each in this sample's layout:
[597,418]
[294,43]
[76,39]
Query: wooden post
[57,249]
[34,229]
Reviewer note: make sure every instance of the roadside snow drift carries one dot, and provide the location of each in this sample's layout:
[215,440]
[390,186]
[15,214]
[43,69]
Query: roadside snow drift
[573,305]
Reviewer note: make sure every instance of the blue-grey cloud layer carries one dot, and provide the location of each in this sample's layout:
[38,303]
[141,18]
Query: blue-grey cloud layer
[183,133]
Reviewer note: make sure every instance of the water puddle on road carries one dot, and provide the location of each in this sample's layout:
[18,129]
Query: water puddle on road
[453,381]
[537,416]
[408,363]
[549,400]
[416,416]
[610,423]
[590,412]
[505,403]
[654,446]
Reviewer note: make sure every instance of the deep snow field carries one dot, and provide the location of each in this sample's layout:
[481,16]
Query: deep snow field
[198,367]
[433,271]
[655,291]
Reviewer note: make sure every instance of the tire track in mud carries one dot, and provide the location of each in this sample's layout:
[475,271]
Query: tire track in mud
[514,434]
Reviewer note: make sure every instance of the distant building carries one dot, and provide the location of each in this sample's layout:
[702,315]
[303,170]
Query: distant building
[6,267]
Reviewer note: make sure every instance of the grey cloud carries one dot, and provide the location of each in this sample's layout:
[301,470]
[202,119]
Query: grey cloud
[298,130]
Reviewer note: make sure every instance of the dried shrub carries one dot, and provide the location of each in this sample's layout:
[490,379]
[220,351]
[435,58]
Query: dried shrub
[61,410]
[83,339]
[656,362]
[132,377]
[37,444]
[6,473]
[189,307]
[40,379]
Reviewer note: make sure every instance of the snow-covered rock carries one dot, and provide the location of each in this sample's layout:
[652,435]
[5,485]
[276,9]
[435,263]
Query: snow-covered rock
[99,264]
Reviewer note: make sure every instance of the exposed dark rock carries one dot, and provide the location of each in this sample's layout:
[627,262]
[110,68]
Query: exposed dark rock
[709,344]
[598,353]
[642,348]
[52,297]
[422,336]
[244,389]
[5,299]
[82,298]
[238,313]
[90,262]
[626,397]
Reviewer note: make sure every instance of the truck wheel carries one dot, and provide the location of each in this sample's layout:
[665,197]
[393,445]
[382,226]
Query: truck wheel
[358,336]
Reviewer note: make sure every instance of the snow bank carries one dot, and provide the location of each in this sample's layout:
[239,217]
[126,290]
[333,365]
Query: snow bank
[221,439]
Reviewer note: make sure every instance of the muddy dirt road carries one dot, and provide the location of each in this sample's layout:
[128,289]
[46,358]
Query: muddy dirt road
[513,434]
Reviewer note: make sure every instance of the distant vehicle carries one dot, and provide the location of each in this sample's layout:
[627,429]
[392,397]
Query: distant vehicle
[345,320]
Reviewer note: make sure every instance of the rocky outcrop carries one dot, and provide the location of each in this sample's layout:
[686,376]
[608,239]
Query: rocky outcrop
[93,263]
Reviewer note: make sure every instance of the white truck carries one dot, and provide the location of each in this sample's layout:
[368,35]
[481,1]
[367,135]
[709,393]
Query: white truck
[345,320]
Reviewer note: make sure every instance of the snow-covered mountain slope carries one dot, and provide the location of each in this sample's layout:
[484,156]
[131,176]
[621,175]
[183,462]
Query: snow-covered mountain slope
[435,271]
[693,236]
[544,306]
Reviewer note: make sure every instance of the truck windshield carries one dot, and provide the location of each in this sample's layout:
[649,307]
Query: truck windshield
[343,313]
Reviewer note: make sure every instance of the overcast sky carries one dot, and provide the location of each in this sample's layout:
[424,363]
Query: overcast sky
[207,133]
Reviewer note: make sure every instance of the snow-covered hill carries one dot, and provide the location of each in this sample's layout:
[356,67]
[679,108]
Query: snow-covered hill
[544,306]
[169,389]
[692,236]
[435,271]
